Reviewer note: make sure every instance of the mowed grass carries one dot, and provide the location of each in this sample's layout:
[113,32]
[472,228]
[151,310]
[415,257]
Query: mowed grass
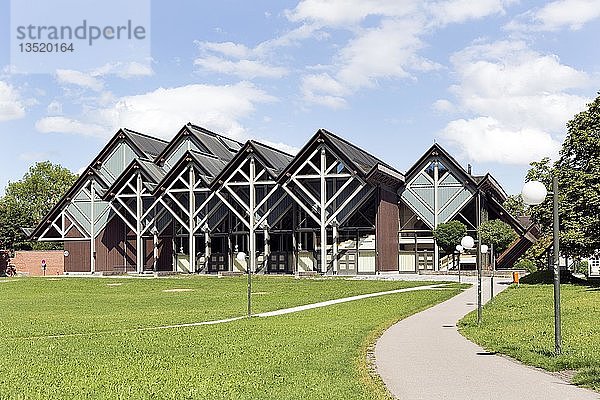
[520,323]
[54,306]
[315,354]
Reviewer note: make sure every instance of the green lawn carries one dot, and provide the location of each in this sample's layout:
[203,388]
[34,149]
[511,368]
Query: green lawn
[319,353]
[520,323]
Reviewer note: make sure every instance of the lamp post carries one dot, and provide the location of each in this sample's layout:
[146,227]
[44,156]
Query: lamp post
[468,243]
[241,256]
[534,193]
[459,248]
[484,250]
[493,268]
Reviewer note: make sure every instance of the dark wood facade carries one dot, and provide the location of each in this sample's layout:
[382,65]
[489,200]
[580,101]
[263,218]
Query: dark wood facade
[387,231]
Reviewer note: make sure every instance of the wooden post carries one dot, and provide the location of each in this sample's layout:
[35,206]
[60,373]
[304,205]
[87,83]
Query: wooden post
[323,215]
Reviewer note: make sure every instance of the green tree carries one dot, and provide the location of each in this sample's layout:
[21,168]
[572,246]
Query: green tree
[497,233]
[515,206]
[578,173]
[27,201]
[448,235]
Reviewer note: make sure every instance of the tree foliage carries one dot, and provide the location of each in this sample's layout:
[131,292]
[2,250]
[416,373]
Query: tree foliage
[27,201]
[578,173]
[515,206]
[448,235]
[497,233]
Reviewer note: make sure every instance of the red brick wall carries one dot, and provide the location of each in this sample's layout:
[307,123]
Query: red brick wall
[30,262]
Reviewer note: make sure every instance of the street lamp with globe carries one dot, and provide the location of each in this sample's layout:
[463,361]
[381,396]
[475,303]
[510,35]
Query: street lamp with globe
[468,243]
[535,193]
[459,249]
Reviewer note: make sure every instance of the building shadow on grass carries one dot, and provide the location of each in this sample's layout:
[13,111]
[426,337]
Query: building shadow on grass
[546,277]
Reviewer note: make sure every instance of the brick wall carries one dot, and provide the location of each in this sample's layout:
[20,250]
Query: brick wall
[30,262]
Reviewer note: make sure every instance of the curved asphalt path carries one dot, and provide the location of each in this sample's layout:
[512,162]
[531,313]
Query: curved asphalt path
[424,357]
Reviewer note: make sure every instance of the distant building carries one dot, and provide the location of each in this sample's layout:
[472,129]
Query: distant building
[194,203]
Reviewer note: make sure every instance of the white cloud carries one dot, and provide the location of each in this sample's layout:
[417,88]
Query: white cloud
[238,60]
[69,125]
[11,105]
[245,69]
[572,14]
[519,97]
[456,11]
[323,89]
[484,139]
[443,105]
[72,77]
[388,51]
[162,111]
[345,12]
[124,70]
[230,49]
[281,146]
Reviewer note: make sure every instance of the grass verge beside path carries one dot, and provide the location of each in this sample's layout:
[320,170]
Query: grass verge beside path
[315,354]
[52,306]
[520,323]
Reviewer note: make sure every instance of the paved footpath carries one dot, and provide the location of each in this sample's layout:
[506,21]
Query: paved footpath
[424,357]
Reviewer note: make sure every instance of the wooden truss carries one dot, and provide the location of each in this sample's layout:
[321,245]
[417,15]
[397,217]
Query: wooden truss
[327,189]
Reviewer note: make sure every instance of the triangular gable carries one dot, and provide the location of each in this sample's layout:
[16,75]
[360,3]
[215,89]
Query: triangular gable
[73,191]
[263,153]
[205,164]
[438,152]
[344,152]
[198,139]
[455,187]
[152,175]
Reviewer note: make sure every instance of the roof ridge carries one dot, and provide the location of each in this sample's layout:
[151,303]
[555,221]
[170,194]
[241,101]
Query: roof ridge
[209,132]
[196,152]
[270,147]
[127,130]
[379,160]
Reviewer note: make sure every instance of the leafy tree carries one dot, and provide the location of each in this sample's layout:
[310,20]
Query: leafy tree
[448,235]
[497,233]
[27,201]
[515,206]
[578,173]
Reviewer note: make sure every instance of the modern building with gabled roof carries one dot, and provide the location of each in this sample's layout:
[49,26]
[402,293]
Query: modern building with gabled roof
[194,203]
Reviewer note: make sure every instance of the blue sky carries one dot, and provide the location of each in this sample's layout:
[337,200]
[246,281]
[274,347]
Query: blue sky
[493,81]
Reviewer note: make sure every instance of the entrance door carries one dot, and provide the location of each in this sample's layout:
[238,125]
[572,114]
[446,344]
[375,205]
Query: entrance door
[219,254]
[425,260]
[281,253]
[347,262]
[278,262]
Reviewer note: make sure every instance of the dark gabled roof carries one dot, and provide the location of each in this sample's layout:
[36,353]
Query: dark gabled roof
[155,172]
[363,160]
[144,145]
[488,183]
[357,158]
[276,159]
[149,145]
[209,142]
[152,172]
[436,148]
[217,145]
[210,165]
[69,194]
